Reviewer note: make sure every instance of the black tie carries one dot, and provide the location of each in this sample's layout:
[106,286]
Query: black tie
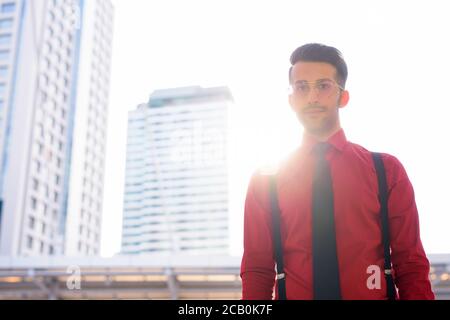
[325,263]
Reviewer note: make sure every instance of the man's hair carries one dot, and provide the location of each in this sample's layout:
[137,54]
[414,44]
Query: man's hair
[316,52]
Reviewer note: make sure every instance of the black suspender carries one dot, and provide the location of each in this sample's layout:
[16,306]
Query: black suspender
[383,199]
[281,279]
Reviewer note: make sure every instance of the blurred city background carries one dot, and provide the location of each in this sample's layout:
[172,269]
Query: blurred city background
[129,131]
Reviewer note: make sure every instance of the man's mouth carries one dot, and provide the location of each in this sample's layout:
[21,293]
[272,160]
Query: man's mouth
[313,111]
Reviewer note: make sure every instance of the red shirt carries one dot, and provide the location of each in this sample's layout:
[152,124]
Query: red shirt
[357,221]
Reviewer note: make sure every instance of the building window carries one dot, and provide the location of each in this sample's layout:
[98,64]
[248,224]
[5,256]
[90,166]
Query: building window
[4,55]
[6,23]
[55,196]
[41,130]
[31,222]
[29,242]
[37,166]
[3,71]
[44,80]
[35,185]
[40,148]
[57,58]
[51,105]
[53,91]
[50,32]
[47,63]
[33,203]
[8,7]
[5,39]
[54,73]
[47,48]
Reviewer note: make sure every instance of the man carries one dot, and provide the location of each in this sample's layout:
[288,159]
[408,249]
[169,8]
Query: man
[331,238]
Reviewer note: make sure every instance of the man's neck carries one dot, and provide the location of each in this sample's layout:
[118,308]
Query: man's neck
[322,137]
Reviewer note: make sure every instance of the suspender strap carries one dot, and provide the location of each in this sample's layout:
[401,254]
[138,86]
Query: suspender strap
[383,199]
[281,279]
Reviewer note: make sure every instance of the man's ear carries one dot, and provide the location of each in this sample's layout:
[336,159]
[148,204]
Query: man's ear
[345,97]
[291,102]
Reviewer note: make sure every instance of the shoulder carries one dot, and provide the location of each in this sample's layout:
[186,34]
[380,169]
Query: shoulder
[280,171]
[274,169]
[258,187]
[260,179]
[395,171]
[261,176]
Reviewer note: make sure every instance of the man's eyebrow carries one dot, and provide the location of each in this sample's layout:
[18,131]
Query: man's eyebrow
[324,79]
[318,80]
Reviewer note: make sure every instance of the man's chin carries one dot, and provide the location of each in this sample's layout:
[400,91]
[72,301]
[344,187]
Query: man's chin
[315,128]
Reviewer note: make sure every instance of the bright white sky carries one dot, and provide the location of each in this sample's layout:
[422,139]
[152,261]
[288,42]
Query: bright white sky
[398,58]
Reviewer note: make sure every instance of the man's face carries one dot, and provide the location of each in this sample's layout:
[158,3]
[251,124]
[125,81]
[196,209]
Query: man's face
[316,96]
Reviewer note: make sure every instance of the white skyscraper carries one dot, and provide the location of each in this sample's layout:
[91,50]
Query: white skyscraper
[55,60]
[177,179]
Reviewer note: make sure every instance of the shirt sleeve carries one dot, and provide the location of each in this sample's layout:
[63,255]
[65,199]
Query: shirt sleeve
[410,264]
[258,266]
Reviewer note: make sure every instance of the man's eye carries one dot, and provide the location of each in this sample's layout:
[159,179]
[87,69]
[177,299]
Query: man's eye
[302,87]
[324,86]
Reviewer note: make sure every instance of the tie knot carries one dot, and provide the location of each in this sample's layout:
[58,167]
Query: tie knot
[321,149]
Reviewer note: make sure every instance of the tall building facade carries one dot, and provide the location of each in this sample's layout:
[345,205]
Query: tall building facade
[177,175]
[54,86]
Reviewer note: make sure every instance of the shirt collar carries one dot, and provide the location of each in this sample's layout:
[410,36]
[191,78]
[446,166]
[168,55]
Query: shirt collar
[338,141]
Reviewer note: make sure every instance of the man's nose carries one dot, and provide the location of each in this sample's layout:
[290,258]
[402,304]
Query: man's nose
[313,96]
